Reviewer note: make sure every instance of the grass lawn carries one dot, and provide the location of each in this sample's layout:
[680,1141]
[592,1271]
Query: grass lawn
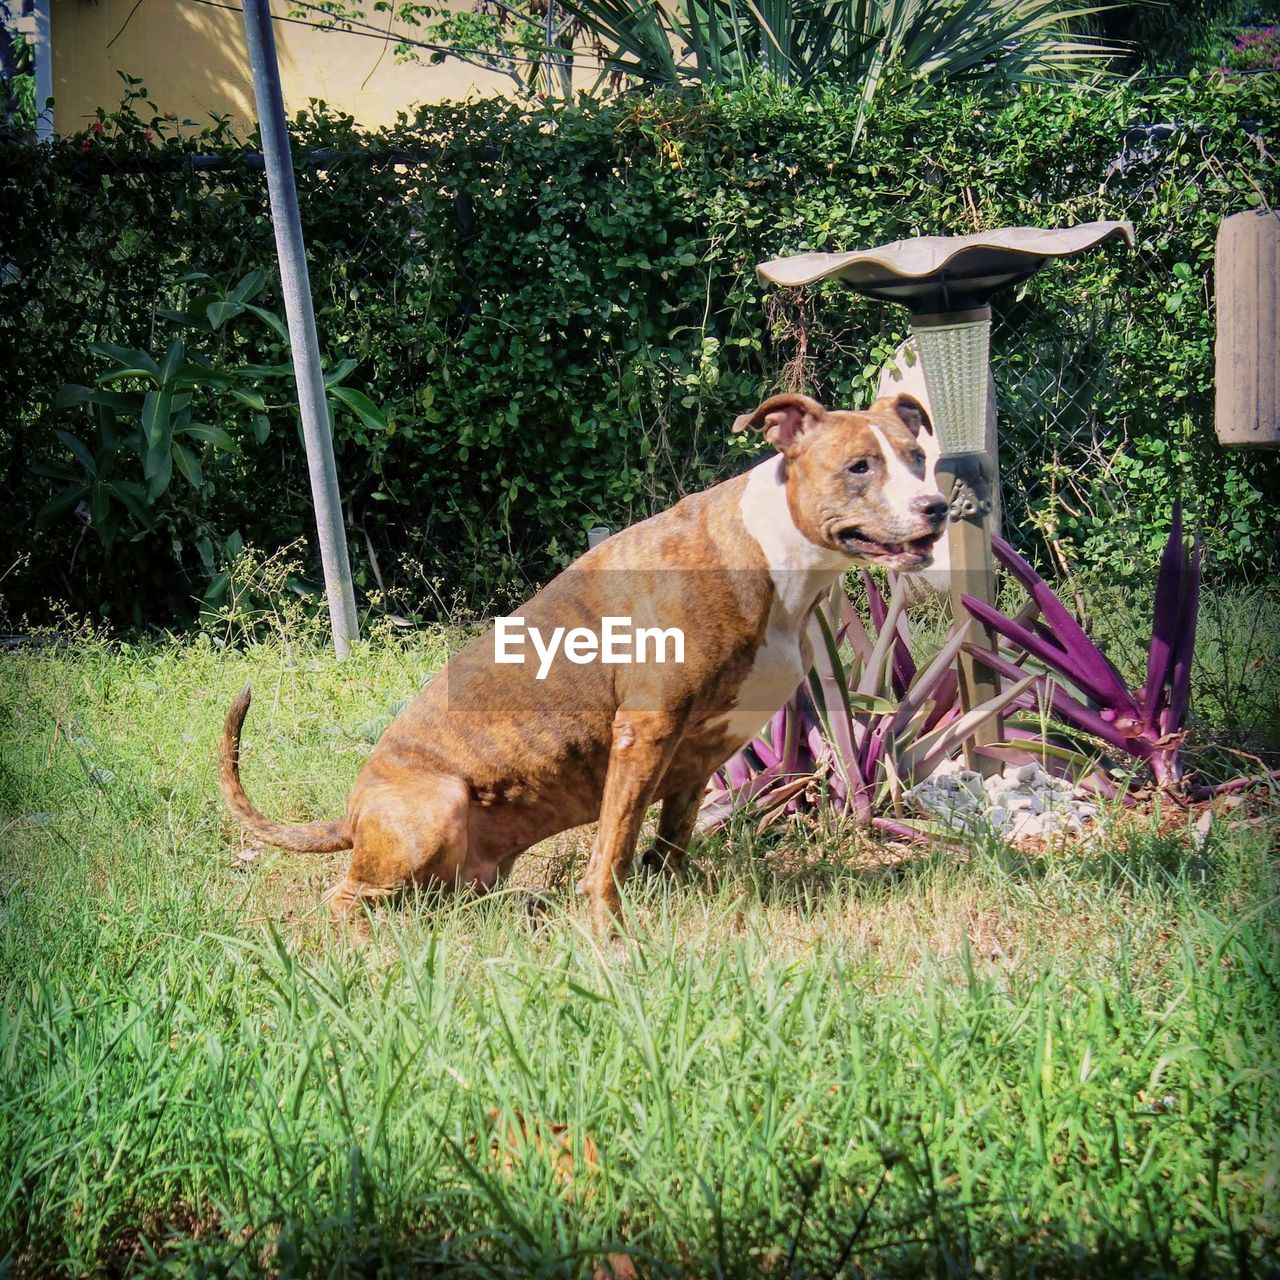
[823,1057]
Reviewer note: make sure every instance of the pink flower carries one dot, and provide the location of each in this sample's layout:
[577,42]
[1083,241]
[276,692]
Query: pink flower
[85,144]
[96,126]
[147,135]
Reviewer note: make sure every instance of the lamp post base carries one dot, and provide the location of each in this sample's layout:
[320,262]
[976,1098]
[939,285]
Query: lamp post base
[967,481]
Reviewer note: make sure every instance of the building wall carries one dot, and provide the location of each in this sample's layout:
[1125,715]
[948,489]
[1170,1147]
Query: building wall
[192,58]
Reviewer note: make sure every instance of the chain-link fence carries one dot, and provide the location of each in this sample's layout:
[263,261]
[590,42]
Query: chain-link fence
[1072,361]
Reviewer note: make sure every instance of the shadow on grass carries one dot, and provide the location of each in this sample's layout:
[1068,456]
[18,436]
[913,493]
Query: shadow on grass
[799,873]
[897,1218]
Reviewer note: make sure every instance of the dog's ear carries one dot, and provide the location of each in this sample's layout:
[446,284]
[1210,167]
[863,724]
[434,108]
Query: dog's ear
[783,419]
[908,410]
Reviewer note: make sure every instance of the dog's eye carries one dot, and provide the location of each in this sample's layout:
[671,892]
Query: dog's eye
[859,468]
[918,458]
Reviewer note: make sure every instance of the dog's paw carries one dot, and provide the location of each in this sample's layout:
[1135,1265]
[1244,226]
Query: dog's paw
[655,862]
[538,906]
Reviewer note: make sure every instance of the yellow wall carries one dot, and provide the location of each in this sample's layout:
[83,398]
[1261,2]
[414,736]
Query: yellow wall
[193,60]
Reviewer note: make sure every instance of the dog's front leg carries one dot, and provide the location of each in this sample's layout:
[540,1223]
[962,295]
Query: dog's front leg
[643,744]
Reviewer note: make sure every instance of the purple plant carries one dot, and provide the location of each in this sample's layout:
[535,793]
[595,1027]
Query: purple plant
[1085,690]
[1254,49]
[864,725]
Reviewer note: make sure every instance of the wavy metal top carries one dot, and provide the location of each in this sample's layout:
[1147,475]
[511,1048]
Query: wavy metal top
[945,270]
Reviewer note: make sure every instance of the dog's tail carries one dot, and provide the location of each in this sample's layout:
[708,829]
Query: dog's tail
[302,837]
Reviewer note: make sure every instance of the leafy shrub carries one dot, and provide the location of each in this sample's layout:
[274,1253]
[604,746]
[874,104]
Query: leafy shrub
[558,313]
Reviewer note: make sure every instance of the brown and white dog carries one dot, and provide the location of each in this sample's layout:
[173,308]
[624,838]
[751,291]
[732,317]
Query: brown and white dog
[493,757]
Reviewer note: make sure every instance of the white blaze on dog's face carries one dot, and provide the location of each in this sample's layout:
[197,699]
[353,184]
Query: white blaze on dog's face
[856,481]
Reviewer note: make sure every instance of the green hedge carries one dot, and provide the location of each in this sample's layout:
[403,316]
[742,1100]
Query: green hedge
[558,314]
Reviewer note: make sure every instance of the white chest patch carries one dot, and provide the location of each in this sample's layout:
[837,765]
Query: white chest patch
[800,569]
[802,573]
[777,670]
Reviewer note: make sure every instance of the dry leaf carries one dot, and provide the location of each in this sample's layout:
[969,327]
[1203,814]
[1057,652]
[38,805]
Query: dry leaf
[518,1135]
[617,1266]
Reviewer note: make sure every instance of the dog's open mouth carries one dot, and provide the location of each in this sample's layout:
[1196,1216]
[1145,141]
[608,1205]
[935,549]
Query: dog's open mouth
[856,543]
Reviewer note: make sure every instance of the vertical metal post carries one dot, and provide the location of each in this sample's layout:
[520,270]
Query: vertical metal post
[955,359]
[42,57]
[296,285]
[968,483]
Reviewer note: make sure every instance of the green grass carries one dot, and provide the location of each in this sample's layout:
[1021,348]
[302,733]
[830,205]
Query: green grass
[822,1057]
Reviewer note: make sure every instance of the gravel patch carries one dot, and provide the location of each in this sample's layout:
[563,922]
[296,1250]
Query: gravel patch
[1023,802]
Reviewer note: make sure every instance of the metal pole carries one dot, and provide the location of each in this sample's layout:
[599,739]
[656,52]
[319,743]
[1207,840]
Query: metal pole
[296,285]
[955,359]
[42,56]
[969,482]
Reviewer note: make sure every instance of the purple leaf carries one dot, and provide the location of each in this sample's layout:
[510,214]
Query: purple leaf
[1237,784]
[862,803]
[807,724]
[904,831]
[1084,654]
[778,725]
[838,789]
[781,792]
[758,784]
[1059,659]
[873,672]
[1100,785]
[930,682]
[835,690]
[1068,708]
[946,700]
[852,627]
[1165,617]
[790,741]
[764,751]
[738,771]
[869,765]
[1043,631]
[716,809]
[903,669]
[879,609]
[1184,647]
[1016,565]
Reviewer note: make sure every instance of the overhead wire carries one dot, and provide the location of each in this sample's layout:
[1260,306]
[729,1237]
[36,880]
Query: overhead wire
[125,23]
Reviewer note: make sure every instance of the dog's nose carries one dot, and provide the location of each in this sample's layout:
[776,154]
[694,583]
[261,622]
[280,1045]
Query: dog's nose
[933,506]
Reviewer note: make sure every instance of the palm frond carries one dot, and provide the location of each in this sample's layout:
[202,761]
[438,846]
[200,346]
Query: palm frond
[876,45]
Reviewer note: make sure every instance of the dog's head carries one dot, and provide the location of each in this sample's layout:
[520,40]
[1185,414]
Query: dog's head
[856,481]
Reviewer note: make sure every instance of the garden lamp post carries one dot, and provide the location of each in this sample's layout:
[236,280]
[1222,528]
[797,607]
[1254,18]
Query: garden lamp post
[947,282]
